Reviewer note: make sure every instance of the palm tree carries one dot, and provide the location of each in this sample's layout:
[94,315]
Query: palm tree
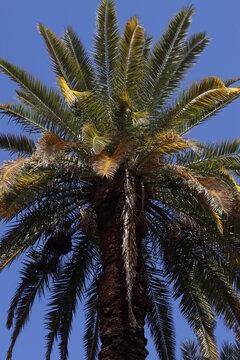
[111,202]
[190,351]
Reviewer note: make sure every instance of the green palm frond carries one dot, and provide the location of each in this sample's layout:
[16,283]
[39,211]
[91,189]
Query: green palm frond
[28,119]
[130,63]
[105,46]
[222,296]
[68,289]
[78,53]
[197,103]
[36,95]
[91,336]
[165,58]
[159,314]
[197,310]
[191,49]
[224,154]
[63,64]
[19,144]
[32,283]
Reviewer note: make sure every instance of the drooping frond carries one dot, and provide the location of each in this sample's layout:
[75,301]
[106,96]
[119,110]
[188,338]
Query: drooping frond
[159,314]
[78,53]
[91,336]
[106,166]
[32,283]
[195,306]
[198,102]
[20,144]
[68,290]
[210,201]
[165,57]
[105,46]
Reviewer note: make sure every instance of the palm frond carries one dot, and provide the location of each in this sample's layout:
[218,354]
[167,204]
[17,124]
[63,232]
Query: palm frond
[92,138]
[231,81]
[224,154]
[63,64]
[78,53]
[67,291]
[165,58]
[20,144]
[49,146]
[190,351]
[43,101]
[130,63]
[197,103]
[8,172]
[159,314]
[230,351]
[32,283]
[72,96]
[105,46]
[28,119]
[195,306]
[91,336]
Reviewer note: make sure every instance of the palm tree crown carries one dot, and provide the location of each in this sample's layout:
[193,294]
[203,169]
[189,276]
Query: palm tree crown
[113,135]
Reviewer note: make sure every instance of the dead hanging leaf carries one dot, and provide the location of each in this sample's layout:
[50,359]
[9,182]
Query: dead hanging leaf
[70,95]
[50,145]
[220,191]
[106,165]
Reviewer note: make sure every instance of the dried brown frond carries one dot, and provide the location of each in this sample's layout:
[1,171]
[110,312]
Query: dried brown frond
[220,191]
[50,145]
[106,166]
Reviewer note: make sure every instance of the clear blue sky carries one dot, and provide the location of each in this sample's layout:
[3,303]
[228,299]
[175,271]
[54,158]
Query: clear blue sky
[21,44]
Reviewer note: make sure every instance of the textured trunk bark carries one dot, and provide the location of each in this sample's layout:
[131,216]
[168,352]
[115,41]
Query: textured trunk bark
[119,340]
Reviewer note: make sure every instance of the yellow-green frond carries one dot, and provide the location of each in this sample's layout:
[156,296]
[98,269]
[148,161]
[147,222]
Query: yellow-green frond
[92,138]
[70,95]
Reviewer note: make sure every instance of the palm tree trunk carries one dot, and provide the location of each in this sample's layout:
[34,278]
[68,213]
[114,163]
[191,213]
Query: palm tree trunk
[119,339]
